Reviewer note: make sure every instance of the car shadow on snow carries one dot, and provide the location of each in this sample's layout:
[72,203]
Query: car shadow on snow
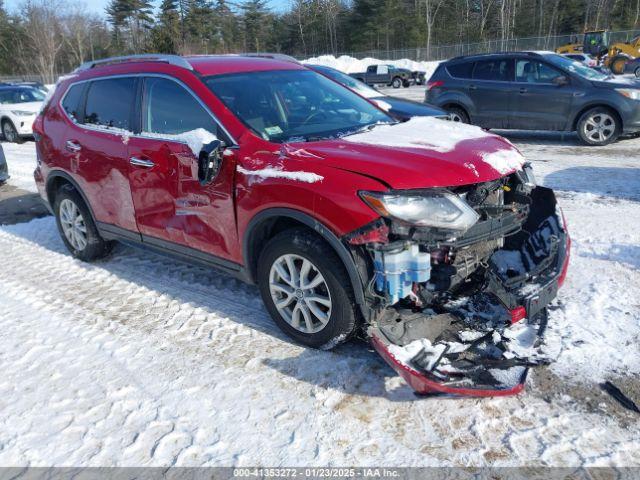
[623,183]
[352,368]
[554,138]
[541,137]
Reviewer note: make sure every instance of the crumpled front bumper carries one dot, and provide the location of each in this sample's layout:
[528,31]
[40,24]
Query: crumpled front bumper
[484,344]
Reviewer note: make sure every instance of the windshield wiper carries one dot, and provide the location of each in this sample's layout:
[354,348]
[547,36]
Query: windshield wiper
[366,128]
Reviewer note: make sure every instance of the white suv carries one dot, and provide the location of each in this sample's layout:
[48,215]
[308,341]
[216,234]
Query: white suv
[19,106]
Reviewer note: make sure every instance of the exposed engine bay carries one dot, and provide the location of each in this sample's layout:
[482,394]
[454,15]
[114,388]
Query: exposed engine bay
[463,310]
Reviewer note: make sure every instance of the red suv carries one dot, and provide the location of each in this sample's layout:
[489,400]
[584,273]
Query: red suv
[428,237]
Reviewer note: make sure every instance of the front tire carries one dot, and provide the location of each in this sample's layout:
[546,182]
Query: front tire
[599,126]
[77,228]
[306,289]
[10,133]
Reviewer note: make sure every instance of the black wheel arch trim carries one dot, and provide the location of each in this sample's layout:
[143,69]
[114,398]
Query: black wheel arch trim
[340,249]
[595,104]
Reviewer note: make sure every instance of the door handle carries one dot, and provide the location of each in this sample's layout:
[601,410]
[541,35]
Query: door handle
[472,87]
[523,90]
[73,146]
[141,162]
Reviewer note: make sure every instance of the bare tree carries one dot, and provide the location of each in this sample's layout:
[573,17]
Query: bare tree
[44,38]
[431,13]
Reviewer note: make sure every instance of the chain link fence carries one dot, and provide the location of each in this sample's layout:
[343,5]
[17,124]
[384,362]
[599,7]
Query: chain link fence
[443,52]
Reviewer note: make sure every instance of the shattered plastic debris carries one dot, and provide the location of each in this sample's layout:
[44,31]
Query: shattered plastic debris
[506,260]
[409,352]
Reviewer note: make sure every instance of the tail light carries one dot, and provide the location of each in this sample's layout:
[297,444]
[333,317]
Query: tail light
[436,84]
[517,314]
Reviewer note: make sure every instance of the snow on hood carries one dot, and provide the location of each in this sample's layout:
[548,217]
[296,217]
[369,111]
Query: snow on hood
[504,161]
[423,152]
[195,139]
[420,132]
[441,136]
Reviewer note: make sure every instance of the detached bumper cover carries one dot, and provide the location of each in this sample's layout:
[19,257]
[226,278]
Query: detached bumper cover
[484,344]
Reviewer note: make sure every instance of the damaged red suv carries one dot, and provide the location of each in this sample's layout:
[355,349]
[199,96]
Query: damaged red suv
[429,238]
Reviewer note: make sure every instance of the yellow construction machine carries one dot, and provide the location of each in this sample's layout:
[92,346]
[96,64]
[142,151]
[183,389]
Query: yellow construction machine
[596,43]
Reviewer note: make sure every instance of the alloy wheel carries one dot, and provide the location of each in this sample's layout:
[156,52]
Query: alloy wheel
[599,127]
[73,224]
[9,132]
[300,293]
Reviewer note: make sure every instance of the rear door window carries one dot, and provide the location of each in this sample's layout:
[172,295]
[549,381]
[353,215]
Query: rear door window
[71,101]
[498,70]
[460,70]
[170,109]
[110,103]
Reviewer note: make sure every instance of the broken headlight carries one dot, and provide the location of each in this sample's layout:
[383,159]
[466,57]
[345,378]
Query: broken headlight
[439,209]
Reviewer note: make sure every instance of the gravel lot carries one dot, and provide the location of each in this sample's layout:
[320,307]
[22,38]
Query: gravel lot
[141,360]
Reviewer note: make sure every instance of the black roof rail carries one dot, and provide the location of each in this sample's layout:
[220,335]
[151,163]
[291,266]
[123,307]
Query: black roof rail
[513,52]
[273,56]
[176,60]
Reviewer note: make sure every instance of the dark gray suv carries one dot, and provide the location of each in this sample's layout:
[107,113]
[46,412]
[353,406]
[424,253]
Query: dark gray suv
[536,91]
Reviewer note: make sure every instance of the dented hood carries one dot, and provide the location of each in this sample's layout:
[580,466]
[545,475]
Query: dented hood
[420,153]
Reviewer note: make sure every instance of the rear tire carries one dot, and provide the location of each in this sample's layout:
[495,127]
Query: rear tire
[396,82]
[458,114]
[10,133]
[76,226]
[599,126]
[326,312]
[637,72]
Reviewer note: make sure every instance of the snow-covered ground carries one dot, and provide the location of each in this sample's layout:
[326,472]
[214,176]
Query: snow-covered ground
[141,360]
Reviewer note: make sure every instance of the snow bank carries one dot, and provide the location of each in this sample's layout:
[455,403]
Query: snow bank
[278,172]
[349,64]
[421,132]
[195,139]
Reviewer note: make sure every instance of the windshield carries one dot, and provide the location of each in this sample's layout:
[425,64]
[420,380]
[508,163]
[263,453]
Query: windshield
[350,82]
[20,95]
[294,105]
[576,67]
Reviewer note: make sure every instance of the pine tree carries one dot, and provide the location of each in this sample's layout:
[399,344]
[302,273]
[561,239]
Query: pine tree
[200,23]
[227,32]
[255,19]
[167,35]
[130,19]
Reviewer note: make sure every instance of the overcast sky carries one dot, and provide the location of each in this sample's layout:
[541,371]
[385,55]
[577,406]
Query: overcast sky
[98,6]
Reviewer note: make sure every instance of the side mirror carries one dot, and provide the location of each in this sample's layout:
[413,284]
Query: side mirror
[560,81]
[210,161]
